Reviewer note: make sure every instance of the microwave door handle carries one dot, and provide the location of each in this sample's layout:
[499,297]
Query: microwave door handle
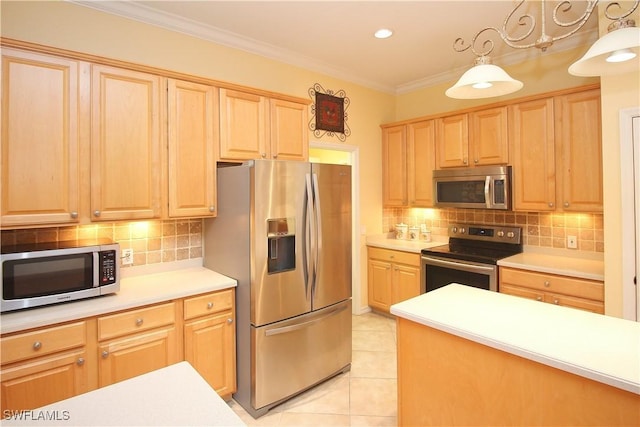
[488,199]
[96,269]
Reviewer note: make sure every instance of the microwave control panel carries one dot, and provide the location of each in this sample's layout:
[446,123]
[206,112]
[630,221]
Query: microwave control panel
[107,267]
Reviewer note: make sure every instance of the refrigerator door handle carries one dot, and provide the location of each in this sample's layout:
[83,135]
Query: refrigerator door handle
[309,238]
[290,328]
[318,241]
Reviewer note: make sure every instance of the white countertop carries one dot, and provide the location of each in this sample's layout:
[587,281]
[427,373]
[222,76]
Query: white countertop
[136,290]
[173,396]
[415,246]
[598,347]
[585,265]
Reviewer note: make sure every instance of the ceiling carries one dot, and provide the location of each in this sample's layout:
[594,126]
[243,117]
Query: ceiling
[336,37]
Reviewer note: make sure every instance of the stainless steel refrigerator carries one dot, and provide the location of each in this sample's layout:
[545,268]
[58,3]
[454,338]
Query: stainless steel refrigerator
[283,231]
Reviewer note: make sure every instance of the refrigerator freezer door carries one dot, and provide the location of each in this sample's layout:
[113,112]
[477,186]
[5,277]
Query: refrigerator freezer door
[295,354]
[333,201]
[278,194]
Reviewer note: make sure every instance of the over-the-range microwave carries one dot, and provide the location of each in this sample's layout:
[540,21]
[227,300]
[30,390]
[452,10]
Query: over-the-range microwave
[483,187]
[38,274]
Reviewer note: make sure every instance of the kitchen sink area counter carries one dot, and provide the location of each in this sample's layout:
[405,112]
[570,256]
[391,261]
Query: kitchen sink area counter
[580,264]
[533,363]
[138,287]
[415,246]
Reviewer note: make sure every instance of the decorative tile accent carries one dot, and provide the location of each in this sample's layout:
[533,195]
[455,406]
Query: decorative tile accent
[539,228]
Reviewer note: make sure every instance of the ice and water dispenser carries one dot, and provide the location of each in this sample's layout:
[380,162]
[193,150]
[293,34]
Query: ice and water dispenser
[282,245]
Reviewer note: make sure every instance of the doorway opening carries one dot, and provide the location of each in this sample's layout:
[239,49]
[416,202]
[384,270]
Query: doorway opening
[343,154]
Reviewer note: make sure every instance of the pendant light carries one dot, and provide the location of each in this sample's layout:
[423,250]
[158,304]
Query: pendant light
[483,80]
[614,53]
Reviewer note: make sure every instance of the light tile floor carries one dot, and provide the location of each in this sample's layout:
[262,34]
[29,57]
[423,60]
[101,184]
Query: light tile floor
[365,396]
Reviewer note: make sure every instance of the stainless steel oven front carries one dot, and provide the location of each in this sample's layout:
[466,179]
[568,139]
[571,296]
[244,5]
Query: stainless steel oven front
[437,272]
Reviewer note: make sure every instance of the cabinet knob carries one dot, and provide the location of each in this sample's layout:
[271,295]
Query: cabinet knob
[539,298]
[105,354]
[275,156]
[229,320]
[475,160]
[139,321]
[556,302]
[551,204]
[37,345]
[264,155]
[96,213]
[465,161]
[547,283]
[566,204]
[74,214]
[212,208]
[80,361]
[209,305]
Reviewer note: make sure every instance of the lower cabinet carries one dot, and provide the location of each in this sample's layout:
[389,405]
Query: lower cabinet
[555,289]
[393,276]
[209,339]
[53,363]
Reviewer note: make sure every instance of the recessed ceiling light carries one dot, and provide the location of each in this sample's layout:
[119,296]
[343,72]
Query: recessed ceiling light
[383,33]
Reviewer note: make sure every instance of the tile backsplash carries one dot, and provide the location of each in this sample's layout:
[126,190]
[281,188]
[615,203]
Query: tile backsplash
[152,241]
[539,228]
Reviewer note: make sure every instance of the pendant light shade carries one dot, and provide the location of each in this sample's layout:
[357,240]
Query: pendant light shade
[483,80]
[607,55]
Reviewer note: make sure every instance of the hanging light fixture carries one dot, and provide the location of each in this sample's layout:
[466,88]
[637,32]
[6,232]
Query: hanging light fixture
[497,82]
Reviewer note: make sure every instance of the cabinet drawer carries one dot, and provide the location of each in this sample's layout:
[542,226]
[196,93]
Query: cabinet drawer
[135,321]
[399,257]
[582,304]
[582,288]
[522,292]
[43,341]
[208,304]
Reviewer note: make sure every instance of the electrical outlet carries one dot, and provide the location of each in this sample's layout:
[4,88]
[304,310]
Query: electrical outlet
[127,256]
[572,242]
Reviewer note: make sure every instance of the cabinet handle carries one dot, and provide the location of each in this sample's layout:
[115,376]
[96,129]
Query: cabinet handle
[96,213]
[275,156]
[547,283]
[475,160]
[212,208]
[80,361]
[105,354]
[556,302]
[74,214]
[264,155]
[566,204]
[465,161]
[550,204]
[539,298]
[209,305]
[229,321]
[139,321]
[37,345]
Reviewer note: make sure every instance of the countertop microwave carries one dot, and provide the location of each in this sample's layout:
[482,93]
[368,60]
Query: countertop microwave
[47,273]
[483,187]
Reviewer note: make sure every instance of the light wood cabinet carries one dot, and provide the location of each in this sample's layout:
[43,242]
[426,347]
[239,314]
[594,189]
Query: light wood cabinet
[40,139]
[552,288]
[209,339]
[408,159]
[43,366]
[135,342]
[393,276]
[193,133]
[126,139]
[452,141]
[254,127]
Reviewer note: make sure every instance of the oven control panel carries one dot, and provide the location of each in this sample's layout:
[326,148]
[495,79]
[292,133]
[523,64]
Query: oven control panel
[493,233]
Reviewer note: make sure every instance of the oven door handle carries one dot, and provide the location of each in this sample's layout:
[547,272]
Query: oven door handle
[457,265]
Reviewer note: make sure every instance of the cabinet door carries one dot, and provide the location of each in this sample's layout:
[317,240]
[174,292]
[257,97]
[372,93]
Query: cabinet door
[406,282]
[532,155]
[452,141]
[489,137]
[243,126]
[192,114]
[40,139]
[125,144]
[421,163]
[394,166]
[380,278]
[289,136]
[579,144]
[133,355]
[209,345]
[38,382]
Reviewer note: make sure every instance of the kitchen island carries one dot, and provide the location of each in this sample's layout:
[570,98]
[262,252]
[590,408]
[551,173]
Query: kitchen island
[472,357]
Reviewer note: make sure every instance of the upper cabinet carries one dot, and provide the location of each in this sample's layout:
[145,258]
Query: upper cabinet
[256,127]
[473,139]
[192,124]
[126,139]
[40,139]
[394,166]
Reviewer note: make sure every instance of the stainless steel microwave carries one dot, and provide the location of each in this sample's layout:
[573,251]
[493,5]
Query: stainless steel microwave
[483,187]
[47,273]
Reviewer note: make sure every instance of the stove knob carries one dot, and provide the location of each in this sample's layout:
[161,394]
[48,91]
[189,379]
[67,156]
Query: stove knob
[500,233]
[454,230]
[511,234]
[462,230]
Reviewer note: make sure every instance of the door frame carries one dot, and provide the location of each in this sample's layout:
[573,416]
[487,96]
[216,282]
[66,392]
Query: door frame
[356,277]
